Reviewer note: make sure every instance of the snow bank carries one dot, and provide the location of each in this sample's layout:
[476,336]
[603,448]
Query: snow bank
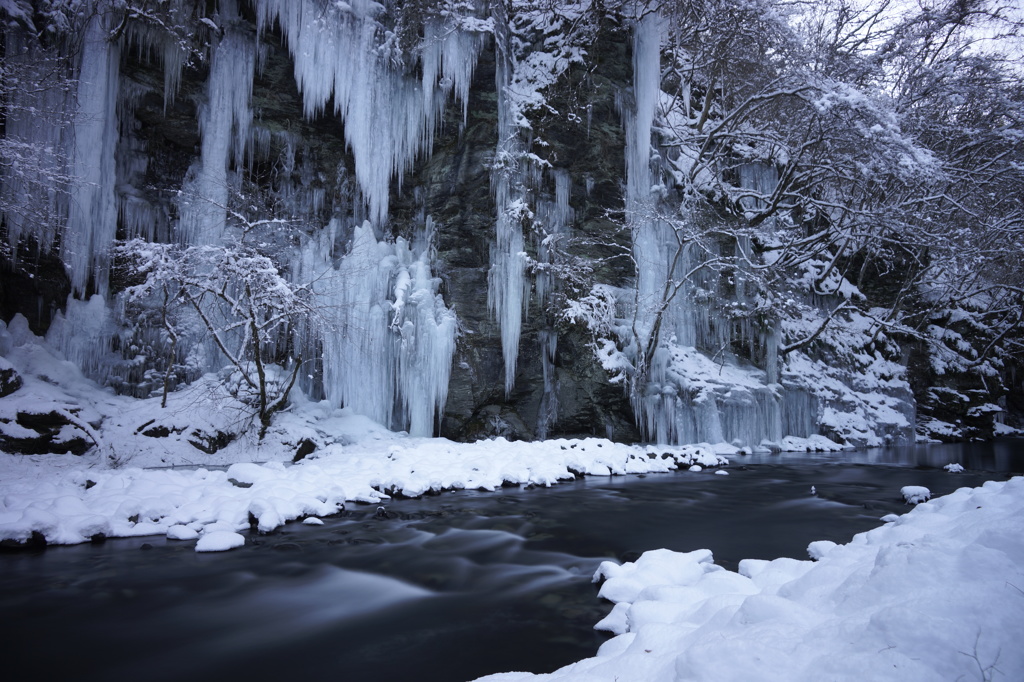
[71,503]
[110,492]
[934,595]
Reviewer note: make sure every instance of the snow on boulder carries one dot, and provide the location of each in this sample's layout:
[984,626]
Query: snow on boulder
[312,521]
[219,541]
[180,532]
[954,468]
[916,494]
[245,474]
[820,548]
[657,567]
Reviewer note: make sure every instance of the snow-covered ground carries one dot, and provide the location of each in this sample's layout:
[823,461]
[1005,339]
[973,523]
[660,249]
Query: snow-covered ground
[935,594]
[147,469]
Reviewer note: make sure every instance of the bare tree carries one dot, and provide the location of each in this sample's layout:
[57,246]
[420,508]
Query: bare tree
[242,302]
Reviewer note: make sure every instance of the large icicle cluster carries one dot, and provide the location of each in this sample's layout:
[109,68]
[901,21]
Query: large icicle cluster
[60,136]
[343,55]
[388,338]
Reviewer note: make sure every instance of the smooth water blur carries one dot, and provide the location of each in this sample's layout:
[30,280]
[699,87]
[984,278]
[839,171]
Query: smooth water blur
[443,588]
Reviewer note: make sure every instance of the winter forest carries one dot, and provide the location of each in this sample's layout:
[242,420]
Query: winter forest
[602,236]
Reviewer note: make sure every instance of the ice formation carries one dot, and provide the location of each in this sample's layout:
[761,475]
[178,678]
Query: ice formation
[694,389]
[554,218]
[508,288]
[388,338]
[224,121]
[92,211]
[342,54]
[389,91]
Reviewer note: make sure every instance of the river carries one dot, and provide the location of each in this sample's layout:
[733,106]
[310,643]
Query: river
[444,588]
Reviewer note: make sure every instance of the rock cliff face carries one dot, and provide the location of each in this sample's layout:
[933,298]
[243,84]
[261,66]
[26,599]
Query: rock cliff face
[436,132]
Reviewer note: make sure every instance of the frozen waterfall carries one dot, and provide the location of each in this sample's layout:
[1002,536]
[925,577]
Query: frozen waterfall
[695,389]
[343,55]
[387,337]
[508,288]
[224,121]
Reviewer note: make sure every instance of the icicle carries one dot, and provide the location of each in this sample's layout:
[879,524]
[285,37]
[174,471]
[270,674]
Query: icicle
[92,214]
[507,285]
[648,242]
[159,37]
[554,219]
[759,178]
[389,117]
[548,414]
[224,121]
[389,339]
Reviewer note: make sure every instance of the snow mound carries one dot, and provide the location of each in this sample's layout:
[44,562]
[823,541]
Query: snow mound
[953,468]
[915,494]
[219,541]
[180,532]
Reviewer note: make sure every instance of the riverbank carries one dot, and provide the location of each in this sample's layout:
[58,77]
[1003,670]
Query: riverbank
[63,499]
[935,594]
[149,469]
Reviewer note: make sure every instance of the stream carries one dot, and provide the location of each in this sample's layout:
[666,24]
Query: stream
[443,588]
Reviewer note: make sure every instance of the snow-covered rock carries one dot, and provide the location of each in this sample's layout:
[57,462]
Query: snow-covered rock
[219,541]
[915,494]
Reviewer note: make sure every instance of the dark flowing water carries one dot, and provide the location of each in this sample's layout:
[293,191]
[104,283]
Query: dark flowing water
[445,588]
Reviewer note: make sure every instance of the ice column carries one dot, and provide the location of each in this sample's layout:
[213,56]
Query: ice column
[507,285]
[92,211]
[224,121]
[554,219]
[388,339]
[646,227]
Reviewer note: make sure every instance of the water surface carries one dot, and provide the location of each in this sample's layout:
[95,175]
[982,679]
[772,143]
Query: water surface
[444,588]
